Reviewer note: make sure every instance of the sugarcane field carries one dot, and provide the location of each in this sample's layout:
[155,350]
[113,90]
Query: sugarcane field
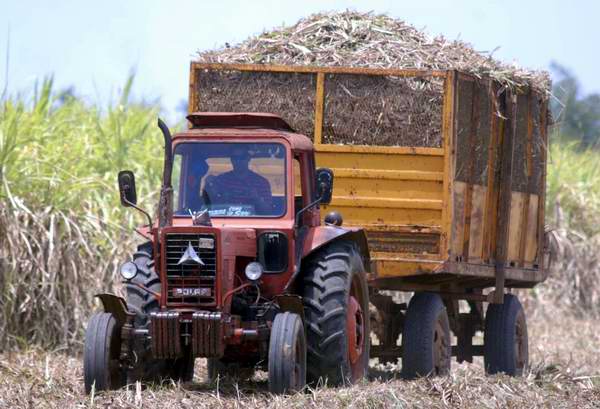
[372,206]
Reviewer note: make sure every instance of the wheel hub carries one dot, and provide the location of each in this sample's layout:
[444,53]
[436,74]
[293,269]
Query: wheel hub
[355,325]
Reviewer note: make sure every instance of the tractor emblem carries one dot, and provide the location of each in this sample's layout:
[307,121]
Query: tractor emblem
[190,256]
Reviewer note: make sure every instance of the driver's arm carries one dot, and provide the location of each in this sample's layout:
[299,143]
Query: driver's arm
[264,198]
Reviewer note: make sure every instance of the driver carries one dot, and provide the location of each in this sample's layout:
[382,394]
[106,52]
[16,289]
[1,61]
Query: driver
[241,186]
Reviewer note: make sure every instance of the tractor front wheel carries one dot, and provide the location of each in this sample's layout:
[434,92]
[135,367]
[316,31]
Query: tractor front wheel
[101,367]
[287,354]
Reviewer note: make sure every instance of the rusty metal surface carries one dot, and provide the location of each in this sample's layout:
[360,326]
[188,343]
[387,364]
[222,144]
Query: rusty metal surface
[165,334]
[403,242]
[208,332]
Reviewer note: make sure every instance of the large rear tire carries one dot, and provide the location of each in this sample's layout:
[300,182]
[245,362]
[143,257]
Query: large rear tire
[336,301]
[287,354]
[426,342]
[101,368]
[143,303]
[505,338]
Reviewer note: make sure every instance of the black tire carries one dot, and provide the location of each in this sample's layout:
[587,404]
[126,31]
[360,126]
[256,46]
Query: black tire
[101,368]
[505,338]
[426,342]
[143,303]
[180,369]
[287,354]
[216,368]
[331,278]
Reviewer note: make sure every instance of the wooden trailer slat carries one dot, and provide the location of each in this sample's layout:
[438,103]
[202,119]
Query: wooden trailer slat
[448,132]
[505,196]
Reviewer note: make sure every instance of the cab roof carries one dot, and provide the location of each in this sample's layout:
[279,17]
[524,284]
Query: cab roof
[243,125]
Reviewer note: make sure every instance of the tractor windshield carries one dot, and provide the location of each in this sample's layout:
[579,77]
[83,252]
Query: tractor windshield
[230,179]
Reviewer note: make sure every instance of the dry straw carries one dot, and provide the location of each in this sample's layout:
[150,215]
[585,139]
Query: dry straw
[368,40]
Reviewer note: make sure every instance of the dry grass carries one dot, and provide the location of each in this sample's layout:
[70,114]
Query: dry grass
[565,372]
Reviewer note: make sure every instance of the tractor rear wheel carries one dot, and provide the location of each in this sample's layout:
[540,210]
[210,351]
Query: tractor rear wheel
[101,366]
[426,342]
[287,354]
[336,301]
[143,303]
[505,338]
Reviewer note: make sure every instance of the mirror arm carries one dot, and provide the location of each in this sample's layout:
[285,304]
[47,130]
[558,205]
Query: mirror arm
[304,209]
[140,210]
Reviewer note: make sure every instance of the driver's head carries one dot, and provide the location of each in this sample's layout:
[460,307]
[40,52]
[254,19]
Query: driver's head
[240,158]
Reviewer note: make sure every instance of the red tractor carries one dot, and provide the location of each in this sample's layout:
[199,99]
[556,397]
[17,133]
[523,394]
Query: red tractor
[238,269]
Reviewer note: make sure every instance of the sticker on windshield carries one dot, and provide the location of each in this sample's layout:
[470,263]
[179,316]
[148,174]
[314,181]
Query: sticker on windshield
[232,211]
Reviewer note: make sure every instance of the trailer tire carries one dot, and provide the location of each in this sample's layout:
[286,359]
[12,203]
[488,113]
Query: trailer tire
[336,302]
[287,354]
[505,338]
[142,303]
[216,368]
[426,342]
[101,368]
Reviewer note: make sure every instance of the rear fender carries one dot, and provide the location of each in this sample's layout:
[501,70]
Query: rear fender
[311,239]
[321,236]
[114,305]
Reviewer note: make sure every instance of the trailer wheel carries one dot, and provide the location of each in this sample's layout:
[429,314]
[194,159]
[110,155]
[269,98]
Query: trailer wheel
[181,369]
[336,304]
[142,303]
[287,354]
[101,367]
[426,342]
[216,368]
[505,338]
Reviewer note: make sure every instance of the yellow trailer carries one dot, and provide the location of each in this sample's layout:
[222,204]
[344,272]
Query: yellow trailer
[444,170]
[465,209]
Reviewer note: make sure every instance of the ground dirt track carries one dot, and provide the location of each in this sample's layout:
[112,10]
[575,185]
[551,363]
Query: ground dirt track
[565,372]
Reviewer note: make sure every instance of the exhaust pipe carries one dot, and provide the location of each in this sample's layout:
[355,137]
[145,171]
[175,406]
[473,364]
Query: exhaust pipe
[165,203]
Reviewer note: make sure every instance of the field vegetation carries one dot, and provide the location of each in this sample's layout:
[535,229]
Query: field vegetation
[63,234]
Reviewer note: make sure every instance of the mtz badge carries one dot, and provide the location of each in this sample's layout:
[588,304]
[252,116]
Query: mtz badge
[191,292]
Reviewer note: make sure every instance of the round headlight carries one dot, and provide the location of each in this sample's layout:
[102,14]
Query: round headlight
[128,270]
[254,271]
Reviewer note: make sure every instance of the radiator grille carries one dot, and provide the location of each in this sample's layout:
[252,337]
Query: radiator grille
[191,283]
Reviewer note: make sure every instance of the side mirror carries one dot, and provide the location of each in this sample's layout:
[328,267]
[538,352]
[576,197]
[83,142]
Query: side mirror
[324,183]
[127,188]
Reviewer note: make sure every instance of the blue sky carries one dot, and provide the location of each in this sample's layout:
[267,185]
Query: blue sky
[93,45]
